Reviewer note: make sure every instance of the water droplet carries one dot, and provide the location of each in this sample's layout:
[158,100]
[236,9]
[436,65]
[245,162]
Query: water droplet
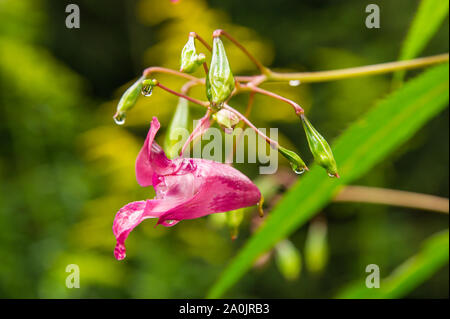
[170,222]
[294,82]
[119,118]
[147,90]
[297,170]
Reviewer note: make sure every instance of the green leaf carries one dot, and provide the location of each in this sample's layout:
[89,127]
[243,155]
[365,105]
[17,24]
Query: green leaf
[414,271]
[429,16]
[368,141]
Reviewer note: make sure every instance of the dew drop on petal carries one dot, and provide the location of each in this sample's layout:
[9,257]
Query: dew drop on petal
[294,82]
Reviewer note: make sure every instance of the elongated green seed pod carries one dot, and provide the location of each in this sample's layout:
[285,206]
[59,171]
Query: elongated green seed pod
[288,259]
[234,219]
[297,164]
[189,60]
[220,78]
[180,121]
[319,148]
[127,101]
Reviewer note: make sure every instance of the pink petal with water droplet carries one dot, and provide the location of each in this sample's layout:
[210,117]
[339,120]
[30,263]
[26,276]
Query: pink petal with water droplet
[185,189]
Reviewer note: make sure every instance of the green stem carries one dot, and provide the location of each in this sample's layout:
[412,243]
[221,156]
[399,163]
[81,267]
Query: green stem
[322,76]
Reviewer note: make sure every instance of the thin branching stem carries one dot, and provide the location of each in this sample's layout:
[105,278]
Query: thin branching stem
[323,76]
[191,99]
[249,87]
[199,38]
[383,196]
[272,143]
[157,69]
[220,32]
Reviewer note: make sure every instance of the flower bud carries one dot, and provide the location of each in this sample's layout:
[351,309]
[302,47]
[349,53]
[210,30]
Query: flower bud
[234,219]
[226,119]
[319,148]
[288,260]
[127,101]
[296,162]
[179,122]
[220,78]
[316,247]
[190,60]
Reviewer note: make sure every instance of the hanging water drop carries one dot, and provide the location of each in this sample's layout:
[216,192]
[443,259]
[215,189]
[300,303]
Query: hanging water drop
[297,170]
[297,164]
[147,90]
[119,118]
[294,82]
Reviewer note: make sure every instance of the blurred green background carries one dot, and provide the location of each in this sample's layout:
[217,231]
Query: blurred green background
[66,168]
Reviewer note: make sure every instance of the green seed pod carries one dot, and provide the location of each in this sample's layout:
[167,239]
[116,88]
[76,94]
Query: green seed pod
[220,79]
[127,101]
[316,246]
[226,119]
[288,260]
[296,162]
[189,60]
[179,122]
[319,148]
[234,219]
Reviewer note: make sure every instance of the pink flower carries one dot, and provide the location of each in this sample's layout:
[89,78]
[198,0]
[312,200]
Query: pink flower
[186,188]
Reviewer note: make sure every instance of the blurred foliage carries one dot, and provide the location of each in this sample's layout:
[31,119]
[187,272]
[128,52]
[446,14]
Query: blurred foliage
[66,168]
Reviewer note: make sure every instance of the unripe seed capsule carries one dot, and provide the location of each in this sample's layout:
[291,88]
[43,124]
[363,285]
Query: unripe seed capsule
[319,148]
[220,78]
[297,164]
[127,101]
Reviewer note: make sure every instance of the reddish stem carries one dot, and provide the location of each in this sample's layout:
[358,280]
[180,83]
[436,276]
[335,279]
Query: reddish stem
[156,69]
[219,32]
[204,104]
[297,108]
[199,38]
[272,143]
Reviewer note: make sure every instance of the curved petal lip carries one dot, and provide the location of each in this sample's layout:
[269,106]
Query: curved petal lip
[185,189]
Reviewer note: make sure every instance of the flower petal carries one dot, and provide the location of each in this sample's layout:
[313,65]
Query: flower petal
[219,188]
[132,214]
[152,158]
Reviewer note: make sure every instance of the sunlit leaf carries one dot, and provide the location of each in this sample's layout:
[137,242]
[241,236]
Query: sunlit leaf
[429,16]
